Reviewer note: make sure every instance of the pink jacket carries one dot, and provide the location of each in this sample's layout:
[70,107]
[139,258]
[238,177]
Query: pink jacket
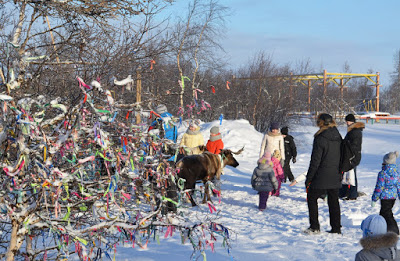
[278,169]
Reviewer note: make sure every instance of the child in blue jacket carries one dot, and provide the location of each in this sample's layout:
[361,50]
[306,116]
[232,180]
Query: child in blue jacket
[387,189]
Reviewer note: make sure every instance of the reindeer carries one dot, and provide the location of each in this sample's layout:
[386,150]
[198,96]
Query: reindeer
[204,167]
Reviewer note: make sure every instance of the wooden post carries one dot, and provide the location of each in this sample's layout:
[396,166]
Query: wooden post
[309,95]
[341,93]
[290,92]
[324,87]
[377,92]
[138,93]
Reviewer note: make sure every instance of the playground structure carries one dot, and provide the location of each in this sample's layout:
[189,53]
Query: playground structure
[338,79]
[324,78]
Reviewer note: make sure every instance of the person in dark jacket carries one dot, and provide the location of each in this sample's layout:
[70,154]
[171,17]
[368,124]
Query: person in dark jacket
[263,180]
[290,153]
[354,136]
[323,173]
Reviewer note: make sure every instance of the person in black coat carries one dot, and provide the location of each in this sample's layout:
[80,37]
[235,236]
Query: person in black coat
[290,153]
[323,173]
[354,136]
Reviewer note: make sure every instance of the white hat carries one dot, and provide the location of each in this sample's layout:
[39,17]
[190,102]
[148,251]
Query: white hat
[161,109]
[390,158]
[374,225]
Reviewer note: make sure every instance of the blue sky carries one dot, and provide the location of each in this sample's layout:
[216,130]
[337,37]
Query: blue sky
[327,32]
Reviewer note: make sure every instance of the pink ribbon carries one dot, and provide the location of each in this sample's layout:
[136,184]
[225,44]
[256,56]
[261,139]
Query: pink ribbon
[82,83]
[195,92]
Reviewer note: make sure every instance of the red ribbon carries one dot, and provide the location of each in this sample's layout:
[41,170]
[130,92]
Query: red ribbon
[227,85]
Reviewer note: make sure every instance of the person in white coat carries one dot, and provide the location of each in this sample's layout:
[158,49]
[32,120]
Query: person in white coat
[273,140]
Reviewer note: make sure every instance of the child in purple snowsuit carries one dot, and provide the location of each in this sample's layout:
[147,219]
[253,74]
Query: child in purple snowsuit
[387,189]
[263,180]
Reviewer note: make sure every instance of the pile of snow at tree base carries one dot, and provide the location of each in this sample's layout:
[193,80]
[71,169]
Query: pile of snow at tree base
[276,234]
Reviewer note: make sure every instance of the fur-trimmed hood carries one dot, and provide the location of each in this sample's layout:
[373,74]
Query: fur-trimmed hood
[356,125]
[380,241]
[325,127]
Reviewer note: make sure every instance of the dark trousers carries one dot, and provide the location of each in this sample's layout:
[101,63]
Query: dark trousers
[263,197]
[287,171]
[386,212]
[333,204]
[348,190]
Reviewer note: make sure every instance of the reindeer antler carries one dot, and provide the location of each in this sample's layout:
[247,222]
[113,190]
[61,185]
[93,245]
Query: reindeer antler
[239,151]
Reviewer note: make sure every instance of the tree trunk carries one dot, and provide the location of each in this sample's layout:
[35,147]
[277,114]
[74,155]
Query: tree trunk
[13,241]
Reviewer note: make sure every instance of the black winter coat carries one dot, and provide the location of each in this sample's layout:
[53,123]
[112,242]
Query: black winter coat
[290,148]
[323,172]
[354,136]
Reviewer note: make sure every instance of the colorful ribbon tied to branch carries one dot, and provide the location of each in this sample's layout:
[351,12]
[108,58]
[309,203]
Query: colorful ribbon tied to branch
[195,92]
[182,81]
[151,64]
[227,84]
[212,88]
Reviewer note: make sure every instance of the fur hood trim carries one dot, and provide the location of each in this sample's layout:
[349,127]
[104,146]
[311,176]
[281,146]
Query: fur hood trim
[380,241]
[274,134]
[356,125]
[325,127]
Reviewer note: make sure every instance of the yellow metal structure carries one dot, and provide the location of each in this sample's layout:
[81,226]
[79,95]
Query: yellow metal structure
[339,79]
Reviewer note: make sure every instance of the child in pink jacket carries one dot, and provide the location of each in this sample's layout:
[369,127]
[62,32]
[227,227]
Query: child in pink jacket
[276,158]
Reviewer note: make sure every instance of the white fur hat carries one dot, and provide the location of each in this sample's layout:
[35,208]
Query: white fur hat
[374,225]
[390,158]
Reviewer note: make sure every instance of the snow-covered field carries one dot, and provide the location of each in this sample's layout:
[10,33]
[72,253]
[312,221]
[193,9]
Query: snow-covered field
[276,234]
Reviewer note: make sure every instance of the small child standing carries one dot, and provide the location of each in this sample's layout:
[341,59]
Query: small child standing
[387,189]
[263,180]
[276,160]
[215,144]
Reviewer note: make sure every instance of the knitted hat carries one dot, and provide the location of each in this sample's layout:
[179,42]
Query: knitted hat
[277,154]
[374,225]
[285,130]
[265,159]
[214,130]
[161,109]
[274,126]
[390,158]
[350,117]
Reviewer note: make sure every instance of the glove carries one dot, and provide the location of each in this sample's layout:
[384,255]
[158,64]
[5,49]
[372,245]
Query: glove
[294,160]
[373,203]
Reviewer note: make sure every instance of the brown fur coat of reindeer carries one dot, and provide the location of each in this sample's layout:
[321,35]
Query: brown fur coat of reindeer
[204,167]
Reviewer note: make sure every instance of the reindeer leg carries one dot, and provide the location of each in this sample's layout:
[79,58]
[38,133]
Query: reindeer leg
[191,192]
[205,193]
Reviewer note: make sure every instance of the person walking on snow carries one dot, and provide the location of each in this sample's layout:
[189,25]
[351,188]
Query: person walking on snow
[263,180]
[276,160]
[354,137]
[323,174]
[290,153]
[377,243]
[272,141]
[387,189]
[215,144]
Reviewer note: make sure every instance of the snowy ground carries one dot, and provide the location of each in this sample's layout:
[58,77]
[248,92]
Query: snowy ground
[276,234]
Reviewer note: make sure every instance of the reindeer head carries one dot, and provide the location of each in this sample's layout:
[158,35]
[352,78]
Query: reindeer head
[228,159]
